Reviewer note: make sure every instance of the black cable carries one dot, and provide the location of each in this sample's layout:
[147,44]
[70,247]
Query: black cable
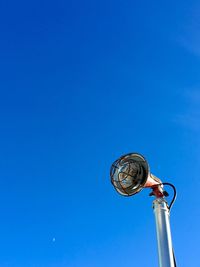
[174,196]
[174,259]
[172,202]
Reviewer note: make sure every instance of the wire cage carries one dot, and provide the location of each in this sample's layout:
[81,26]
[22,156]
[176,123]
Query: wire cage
[129,173]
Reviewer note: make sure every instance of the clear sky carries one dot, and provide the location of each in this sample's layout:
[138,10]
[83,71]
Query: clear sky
[82,83]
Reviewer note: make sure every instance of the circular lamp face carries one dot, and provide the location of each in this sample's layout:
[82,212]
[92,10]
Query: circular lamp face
[129,174]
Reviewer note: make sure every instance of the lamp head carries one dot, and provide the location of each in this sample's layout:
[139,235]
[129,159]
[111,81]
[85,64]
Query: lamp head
[130,174]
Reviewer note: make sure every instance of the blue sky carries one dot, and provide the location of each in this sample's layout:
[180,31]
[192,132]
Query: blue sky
[83,82]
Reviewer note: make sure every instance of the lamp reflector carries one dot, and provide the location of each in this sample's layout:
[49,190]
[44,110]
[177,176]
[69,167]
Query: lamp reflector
[130,174]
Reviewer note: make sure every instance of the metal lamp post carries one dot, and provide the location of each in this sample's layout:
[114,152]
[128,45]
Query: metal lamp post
[129,175]
[165,249]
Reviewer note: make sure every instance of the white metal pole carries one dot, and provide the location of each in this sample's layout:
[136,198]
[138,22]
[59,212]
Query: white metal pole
[165,249]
